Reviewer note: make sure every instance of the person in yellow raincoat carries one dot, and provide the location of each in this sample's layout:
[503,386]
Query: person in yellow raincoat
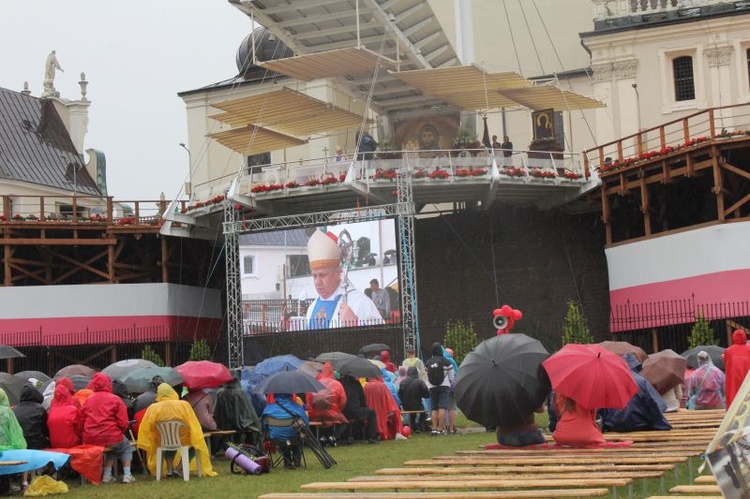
[169,406]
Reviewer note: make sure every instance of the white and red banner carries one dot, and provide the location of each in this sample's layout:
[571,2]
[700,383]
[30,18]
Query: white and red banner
[107,313]
[710,265]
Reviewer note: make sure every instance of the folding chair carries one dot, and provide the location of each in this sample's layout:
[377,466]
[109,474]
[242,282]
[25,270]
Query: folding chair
[169,440]
[295,445]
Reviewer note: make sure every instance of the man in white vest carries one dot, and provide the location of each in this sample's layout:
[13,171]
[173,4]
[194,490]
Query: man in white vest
[338,304]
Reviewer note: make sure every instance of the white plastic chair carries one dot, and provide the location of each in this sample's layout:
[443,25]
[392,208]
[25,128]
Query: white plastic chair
[169,440]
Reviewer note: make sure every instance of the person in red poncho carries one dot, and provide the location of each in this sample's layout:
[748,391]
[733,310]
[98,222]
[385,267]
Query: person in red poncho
[736,364]
[64,419]
[105,419]
[326,406]
[379,399]
[385,358]
[576,426]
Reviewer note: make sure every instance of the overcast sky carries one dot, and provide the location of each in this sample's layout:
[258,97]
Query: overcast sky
[137,55]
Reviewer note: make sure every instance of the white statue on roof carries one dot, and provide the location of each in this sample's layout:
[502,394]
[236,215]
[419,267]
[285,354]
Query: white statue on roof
[50,67]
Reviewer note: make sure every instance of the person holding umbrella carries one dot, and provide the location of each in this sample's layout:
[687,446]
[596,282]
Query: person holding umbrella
[576,425]
[645,410]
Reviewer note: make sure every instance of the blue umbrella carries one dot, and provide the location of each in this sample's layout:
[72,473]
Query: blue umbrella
[274,365]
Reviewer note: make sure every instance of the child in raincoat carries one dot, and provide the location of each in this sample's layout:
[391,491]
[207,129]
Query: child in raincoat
[169,406]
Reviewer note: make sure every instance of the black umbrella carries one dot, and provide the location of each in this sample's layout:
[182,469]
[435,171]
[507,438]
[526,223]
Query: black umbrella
[713,351]
[335,358]
[373,348]
[501,381]
[360,368]
[12,386]
[27,375]
[290,382]
[7,352]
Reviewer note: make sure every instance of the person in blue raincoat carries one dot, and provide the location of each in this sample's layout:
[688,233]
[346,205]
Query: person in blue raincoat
[645,411]
[284,407]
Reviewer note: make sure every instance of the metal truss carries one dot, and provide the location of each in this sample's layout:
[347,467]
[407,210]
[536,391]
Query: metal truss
[407,266]
[308,219]
[234,291]
[403,211]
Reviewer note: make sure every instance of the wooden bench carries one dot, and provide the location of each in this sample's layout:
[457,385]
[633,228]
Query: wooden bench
[208,434]
[695,489]
[479,470]
[705,480]
[635,475]
[531,460]
[468,484]
[521,494]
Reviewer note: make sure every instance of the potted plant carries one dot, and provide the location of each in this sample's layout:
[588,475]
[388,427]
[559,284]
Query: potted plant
[439,174]
[466,138]
[387,149]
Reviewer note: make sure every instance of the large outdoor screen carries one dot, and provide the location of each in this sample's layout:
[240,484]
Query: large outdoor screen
[346,275]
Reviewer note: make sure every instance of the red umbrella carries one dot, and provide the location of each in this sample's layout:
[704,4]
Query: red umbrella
[203,374]
[623,347]
[664,370]
[592,376]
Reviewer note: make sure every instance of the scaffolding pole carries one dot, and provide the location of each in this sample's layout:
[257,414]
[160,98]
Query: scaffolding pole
[407,268]
[234,290]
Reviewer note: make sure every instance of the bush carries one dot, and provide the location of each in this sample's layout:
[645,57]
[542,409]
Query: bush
[575,329]
[702,334]
[200,350]
[461,337]
[148,353]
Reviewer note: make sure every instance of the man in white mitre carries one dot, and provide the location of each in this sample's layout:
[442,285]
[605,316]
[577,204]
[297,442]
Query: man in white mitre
[330,308]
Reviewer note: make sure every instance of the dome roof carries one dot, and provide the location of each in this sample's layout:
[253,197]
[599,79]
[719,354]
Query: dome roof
[267,48]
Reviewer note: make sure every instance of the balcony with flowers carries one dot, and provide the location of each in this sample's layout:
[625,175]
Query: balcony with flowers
[673,143]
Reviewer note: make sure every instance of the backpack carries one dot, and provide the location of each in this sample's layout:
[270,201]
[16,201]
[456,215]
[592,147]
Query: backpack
[435,371]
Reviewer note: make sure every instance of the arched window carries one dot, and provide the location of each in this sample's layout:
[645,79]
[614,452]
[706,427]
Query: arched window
[684,81]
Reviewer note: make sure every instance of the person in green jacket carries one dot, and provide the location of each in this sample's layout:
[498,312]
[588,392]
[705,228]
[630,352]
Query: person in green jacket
[11,434]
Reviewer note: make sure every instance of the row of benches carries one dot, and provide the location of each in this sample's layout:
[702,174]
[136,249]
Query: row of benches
[501,473]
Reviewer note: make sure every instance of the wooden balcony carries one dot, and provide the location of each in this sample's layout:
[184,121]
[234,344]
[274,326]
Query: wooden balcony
[652,178]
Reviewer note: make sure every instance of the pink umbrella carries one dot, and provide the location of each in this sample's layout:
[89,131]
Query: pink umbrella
[204,374]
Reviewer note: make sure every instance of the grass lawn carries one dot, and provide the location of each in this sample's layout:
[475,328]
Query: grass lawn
[355,460]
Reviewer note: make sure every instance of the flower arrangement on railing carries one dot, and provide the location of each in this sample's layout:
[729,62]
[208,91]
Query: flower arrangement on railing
[329,179]
[126,221]
[419,173]
[292,185]
[258,189]
[537,173]
[470,172]
[201,204]
[18,217]
[342,177]
[3,218]
[732,133]
[32,218]
[649,155]
[439,174]
[572,175]
[313,182]
[381,174]
[513,172]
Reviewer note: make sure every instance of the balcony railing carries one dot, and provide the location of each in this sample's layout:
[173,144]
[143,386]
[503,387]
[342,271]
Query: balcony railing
[720,123]
[82,209]
[612,9]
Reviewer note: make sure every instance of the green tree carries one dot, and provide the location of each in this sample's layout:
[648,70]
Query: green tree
[200,350]
[148,353]
[461,337]
[702,334]
[575,329]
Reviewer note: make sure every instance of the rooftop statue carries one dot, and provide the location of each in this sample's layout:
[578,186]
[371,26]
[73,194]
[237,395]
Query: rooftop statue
[50,67]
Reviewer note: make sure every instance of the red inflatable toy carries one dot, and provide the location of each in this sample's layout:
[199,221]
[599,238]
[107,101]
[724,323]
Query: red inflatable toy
[505,318]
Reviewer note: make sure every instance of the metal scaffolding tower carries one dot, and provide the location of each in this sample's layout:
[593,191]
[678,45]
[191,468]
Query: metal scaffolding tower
[407,267]
[234,289]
